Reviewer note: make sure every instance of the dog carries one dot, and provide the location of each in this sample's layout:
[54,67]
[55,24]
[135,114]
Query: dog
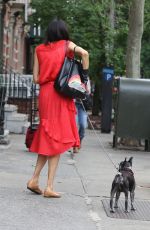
[124,181]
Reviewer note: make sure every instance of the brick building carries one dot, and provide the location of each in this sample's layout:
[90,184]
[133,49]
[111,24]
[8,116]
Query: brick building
[16,53]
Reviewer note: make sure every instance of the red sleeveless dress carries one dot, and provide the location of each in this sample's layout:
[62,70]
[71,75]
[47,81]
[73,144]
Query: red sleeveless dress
[57,131]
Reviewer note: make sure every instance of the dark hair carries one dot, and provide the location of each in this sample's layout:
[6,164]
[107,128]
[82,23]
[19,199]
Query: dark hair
[57,30]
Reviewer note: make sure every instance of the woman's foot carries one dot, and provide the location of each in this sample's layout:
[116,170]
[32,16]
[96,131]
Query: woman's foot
[75,149]
[33,187]
[51,194]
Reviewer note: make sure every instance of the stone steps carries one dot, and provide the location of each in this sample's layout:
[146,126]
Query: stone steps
[15,121]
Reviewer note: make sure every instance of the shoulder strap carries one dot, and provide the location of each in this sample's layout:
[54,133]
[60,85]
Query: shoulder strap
[75,49]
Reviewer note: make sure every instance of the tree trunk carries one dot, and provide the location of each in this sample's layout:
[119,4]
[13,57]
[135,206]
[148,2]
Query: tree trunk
[136,21]
[136,18]
[109,33]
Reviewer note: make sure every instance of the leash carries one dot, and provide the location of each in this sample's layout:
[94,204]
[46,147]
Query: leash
[99,140]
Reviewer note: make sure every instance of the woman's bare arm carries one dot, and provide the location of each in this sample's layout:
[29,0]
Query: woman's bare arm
[36,69]
[81,52]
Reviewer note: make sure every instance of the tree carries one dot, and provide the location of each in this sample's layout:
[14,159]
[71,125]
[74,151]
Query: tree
[133,66]
[100,26]
[145,57]
[136,18]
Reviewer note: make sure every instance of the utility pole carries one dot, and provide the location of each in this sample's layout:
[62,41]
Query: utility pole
[4,141]
[1,33]
[1,70]
[2,8]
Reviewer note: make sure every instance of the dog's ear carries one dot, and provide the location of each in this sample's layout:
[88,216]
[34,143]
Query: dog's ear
[130,160]
[125,159]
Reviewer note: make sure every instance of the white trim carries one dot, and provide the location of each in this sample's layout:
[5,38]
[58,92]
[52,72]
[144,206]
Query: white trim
[15,60]
[16,51]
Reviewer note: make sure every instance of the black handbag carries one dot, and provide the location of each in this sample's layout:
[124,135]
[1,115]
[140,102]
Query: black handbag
[68,81]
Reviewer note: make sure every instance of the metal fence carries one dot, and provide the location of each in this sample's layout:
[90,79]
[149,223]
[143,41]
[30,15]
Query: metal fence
[18,86]
[18,89]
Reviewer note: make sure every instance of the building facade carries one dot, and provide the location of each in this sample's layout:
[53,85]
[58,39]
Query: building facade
[15,36]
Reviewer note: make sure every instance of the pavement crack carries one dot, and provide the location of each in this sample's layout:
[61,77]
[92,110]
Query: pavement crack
[94,216]
[77,195]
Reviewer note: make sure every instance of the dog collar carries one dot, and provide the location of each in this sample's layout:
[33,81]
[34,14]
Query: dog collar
[127,170]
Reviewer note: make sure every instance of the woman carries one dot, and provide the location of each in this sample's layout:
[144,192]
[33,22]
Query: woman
[57,131]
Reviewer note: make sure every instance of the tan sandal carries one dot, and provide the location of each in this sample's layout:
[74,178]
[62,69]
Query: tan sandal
[51,194]
[34,188]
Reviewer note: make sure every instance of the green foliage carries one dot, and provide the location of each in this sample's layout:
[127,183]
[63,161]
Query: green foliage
[82,21]
[145,54]
[90,27]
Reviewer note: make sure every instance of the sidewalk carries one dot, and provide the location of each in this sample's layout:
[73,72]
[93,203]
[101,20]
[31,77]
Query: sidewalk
[83,183]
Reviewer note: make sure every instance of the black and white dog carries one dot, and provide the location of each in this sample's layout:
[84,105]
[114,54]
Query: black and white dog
[123,182]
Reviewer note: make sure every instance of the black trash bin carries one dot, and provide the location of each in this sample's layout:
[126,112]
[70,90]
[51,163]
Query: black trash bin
[132,114]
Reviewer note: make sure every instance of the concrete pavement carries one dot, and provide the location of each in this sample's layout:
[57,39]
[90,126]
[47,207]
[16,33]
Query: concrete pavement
[83,182]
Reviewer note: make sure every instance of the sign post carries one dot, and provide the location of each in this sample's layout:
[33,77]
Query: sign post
[107,80]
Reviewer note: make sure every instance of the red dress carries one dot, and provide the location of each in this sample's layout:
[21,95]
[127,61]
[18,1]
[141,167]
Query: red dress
[57,131]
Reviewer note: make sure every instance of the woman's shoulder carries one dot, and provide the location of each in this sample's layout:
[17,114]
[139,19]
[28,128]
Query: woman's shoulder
[52,45]
[40,47]
[49,45]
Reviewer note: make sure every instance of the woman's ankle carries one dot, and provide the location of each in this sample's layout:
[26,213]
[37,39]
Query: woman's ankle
[49,187]
[34,180]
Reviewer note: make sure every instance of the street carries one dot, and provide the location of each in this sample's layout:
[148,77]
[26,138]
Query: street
[83,182]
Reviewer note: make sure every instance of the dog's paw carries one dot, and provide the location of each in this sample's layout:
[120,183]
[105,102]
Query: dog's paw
[112,210]
[126,211]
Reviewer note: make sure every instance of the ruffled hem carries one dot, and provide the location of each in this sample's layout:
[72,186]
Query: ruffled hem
[44,145]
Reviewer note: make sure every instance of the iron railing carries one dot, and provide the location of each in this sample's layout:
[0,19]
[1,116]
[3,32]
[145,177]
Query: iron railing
[18,89]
